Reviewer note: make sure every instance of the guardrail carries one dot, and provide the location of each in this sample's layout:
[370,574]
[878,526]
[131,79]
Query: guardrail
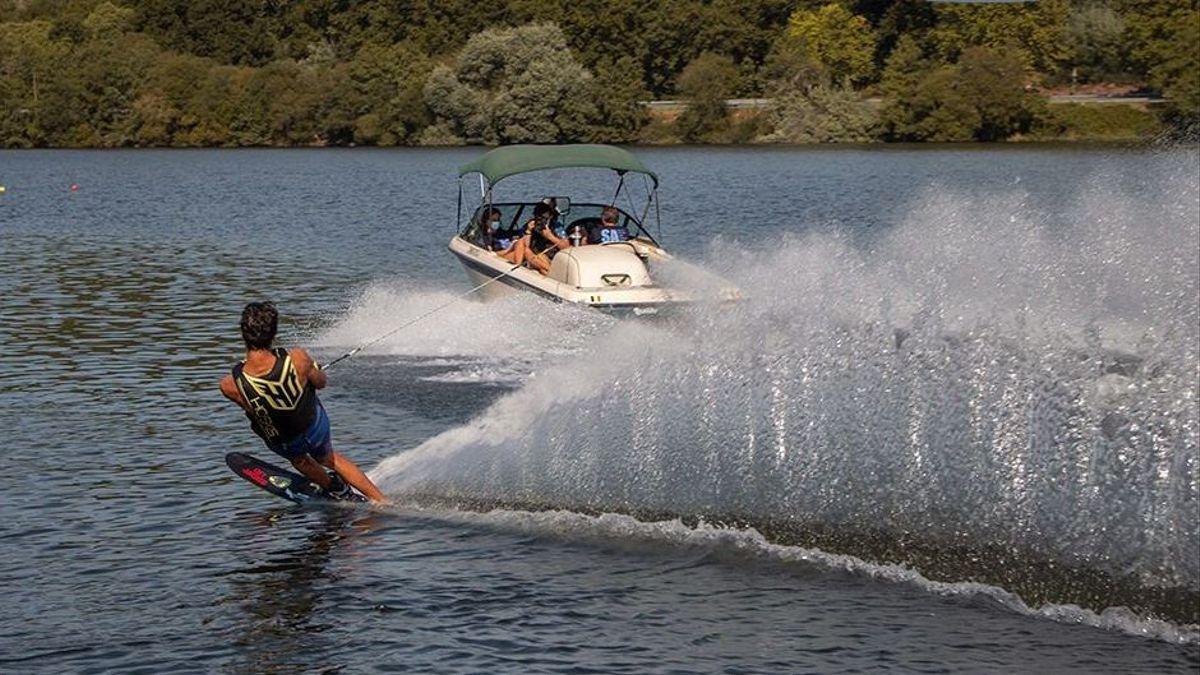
[764,103]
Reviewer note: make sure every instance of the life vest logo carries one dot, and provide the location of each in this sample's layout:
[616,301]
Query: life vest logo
[255,474]
[262,417]
[281,394]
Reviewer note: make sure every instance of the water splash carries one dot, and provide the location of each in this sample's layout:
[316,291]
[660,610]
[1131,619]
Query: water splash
[996,389]
[498,341]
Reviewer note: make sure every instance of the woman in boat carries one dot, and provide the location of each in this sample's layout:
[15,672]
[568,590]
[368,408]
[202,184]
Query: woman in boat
[490,234]
[539,243]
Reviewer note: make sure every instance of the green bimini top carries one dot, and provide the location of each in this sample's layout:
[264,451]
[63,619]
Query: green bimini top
[510,160]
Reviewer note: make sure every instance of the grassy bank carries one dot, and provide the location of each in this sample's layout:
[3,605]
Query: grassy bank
[1083,122]
[1101,122]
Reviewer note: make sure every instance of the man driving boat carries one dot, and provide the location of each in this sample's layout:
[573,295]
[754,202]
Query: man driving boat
[609,228]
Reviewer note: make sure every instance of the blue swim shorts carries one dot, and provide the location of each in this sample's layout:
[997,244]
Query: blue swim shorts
[315,441]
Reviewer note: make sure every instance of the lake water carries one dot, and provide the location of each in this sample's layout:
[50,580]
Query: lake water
[953,426]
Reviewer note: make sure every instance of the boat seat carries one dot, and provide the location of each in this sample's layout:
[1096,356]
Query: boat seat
[599,267]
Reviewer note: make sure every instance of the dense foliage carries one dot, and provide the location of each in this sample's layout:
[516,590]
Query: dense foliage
[385,72]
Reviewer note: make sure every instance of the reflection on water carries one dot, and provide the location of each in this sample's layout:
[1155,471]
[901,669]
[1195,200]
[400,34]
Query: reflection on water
[280,593]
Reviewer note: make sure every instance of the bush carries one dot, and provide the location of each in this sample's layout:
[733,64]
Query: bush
[1099,122]
[822,113]
[659,131]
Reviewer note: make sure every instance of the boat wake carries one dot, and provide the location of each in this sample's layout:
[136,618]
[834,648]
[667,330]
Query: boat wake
[735,545]
[998,395]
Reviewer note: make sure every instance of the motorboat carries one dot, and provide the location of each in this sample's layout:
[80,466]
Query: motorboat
[609,261]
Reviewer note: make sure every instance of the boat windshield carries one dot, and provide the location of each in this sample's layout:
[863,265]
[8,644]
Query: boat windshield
[495,226]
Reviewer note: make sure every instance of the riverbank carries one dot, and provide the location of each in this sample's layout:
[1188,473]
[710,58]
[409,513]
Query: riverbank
[751,122]
[1063,118]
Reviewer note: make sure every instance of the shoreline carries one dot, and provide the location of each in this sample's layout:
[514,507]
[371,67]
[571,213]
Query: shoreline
[1129,143]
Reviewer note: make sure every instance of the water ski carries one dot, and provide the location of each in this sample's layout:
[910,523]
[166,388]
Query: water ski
[281,482]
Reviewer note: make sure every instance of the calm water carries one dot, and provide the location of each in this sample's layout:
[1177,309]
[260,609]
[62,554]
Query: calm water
[936,342]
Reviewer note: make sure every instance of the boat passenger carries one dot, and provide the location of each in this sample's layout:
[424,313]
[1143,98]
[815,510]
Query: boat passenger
[539,243]
[608,229]
[490,234]
[517,249]
[556,222]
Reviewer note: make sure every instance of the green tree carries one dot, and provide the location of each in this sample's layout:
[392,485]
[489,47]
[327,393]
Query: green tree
[384,97]
[203,72]
[705,84]
[38,107]
[280,104]
[1178,75]
[942,109]
[994,81]
[1095,34]
[1163,38]
[790,66]
[902,20]
[513,85]
[838,40]
[110,69]
[906,67]
[109,72]
[229,31]
[1032,30]
[157,115]
[982,97]
[212,113]
[107,21]
[744,31]
[618,93]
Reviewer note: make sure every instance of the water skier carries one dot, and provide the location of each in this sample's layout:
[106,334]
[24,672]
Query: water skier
[276,388]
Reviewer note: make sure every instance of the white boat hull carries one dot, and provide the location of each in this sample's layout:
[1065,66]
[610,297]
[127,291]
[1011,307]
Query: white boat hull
[613,280]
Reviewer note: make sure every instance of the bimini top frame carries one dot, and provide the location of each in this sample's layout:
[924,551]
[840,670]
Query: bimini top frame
[511,160]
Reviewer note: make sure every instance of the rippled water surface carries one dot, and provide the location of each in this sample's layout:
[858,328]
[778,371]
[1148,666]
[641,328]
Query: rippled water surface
[977,364]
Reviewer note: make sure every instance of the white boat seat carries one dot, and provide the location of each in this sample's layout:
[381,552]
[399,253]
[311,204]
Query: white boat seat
[597,266]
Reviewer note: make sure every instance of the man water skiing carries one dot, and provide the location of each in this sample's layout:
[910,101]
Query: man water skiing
[277,390]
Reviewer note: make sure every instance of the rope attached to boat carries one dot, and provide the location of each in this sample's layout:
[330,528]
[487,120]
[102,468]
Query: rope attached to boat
[424,316]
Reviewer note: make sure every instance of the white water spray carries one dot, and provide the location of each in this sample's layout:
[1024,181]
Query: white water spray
[995,372]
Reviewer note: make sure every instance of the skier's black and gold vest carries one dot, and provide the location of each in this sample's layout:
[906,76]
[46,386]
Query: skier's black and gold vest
[280,410]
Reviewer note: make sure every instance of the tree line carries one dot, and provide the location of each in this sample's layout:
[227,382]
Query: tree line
[89,73]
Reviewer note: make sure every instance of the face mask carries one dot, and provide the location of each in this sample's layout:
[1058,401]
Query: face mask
[494,225]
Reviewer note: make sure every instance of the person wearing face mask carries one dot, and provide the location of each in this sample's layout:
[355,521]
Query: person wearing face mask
[491,236]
